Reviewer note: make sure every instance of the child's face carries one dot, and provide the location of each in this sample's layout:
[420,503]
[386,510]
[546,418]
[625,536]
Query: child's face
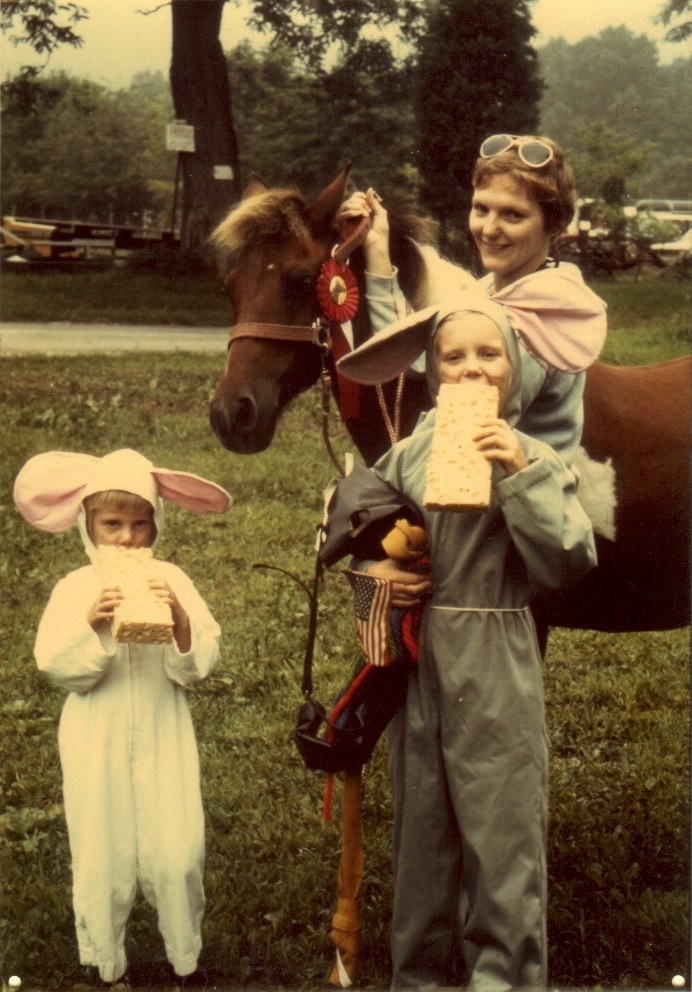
[125,527]
[471,346]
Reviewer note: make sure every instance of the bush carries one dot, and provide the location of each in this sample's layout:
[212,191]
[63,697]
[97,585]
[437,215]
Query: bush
[171,262]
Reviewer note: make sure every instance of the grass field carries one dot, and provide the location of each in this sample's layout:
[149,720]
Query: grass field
[618,705]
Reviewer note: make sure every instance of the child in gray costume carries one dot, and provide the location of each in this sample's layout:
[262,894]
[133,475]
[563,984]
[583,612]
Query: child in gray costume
[468,750]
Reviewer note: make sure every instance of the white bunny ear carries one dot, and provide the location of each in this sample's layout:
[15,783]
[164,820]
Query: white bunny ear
[129,470]
[49,489]
[191,491]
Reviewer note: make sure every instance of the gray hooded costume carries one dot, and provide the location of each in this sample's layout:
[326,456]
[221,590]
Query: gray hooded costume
[468,751]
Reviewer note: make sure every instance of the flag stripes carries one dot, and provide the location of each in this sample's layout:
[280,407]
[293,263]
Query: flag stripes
[372,608]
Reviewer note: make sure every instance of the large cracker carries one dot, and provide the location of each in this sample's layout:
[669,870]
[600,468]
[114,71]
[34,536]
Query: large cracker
[141,618]
[459,476]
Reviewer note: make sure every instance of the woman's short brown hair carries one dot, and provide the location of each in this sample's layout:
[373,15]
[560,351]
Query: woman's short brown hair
[116,500]
[552,185]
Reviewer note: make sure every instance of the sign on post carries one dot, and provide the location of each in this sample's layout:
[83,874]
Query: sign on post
[180,137]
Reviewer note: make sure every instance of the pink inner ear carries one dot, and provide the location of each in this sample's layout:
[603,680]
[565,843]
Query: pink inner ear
[48,490]
[51,511]
[191,492]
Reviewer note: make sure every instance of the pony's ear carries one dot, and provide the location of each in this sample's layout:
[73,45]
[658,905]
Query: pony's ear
[255,186]
[321,212]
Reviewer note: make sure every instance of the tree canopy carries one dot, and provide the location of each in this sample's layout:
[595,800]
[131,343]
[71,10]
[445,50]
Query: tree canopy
[477,73]
[44,25]
[671,10]
[312,29]
[88,153]
[615,78]
[410,124]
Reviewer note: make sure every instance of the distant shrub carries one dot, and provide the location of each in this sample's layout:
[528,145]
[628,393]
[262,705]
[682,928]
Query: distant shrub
[171,261]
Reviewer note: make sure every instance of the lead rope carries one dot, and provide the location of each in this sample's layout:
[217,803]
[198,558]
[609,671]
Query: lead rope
[393,429]
[326,394]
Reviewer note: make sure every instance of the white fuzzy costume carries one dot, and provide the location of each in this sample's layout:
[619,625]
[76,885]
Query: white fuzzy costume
[127,745]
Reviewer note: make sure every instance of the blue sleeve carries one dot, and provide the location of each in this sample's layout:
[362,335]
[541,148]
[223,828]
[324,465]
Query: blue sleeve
[549,527]
[555,414]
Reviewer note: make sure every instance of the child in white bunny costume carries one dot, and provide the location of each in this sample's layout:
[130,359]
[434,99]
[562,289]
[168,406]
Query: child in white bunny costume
[127,744]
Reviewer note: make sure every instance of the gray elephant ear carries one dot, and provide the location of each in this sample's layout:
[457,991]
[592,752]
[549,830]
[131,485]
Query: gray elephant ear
[391,351]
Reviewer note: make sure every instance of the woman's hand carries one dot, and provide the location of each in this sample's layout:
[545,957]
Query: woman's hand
[409,588]
[499,443]
[376,244]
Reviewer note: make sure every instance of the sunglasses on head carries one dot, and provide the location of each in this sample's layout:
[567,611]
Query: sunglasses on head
[532,152]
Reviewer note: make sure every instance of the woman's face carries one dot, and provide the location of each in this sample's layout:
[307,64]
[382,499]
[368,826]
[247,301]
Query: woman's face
[507,224]
[471,346]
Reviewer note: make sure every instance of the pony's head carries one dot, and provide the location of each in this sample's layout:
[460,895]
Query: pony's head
[271,247]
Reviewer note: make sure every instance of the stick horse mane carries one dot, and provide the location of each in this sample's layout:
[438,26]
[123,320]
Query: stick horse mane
[635,440]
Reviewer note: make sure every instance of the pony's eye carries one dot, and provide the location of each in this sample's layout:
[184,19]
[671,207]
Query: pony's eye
[229,282]
[298,284]
[303,279]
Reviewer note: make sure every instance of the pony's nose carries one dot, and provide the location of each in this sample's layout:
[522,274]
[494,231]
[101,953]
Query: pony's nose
[246,413]
[241,418]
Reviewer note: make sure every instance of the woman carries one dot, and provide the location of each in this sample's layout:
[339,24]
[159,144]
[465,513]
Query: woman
[524,197]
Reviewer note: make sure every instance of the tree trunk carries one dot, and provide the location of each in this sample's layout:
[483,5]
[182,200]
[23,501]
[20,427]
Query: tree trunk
[202,98]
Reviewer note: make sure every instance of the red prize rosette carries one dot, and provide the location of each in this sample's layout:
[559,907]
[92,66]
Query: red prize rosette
[337,291]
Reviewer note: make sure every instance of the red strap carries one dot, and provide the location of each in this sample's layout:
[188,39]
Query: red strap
[349,391]
[353,235]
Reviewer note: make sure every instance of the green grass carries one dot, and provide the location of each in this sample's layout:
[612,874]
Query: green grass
[648,319]
[617,705]
[118,296]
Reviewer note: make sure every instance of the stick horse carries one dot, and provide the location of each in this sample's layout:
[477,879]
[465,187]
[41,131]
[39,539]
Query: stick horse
[634,444]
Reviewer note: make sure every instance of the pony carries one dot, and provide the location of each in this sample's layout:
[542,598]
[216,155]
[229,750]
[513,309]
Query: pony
[634,453]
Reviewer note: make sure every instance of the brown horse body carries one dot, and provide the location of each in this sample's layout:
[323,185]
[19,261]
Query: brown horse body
[635,419]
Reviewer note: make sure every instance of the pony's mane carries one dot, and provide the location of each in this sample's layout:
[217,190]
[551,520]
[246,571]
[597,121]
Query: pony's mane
[409,232]
[261,217]
[404,221]
[276,214]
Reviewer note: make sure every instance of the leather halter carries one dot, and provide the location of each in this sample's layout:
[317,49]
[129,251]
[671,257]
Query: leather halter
[317,333]
[313,334]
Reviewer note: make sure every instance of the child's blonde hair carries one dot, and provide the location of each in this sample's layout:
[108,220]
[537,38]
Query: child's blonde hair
[117,500]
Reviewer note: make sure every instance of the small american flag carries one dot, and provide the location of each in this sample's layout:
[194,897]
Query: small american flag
[373,611]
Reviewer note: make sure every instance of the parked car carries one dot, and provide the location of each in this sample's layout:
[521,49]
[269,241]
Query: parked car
[676,251]
[664,206]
